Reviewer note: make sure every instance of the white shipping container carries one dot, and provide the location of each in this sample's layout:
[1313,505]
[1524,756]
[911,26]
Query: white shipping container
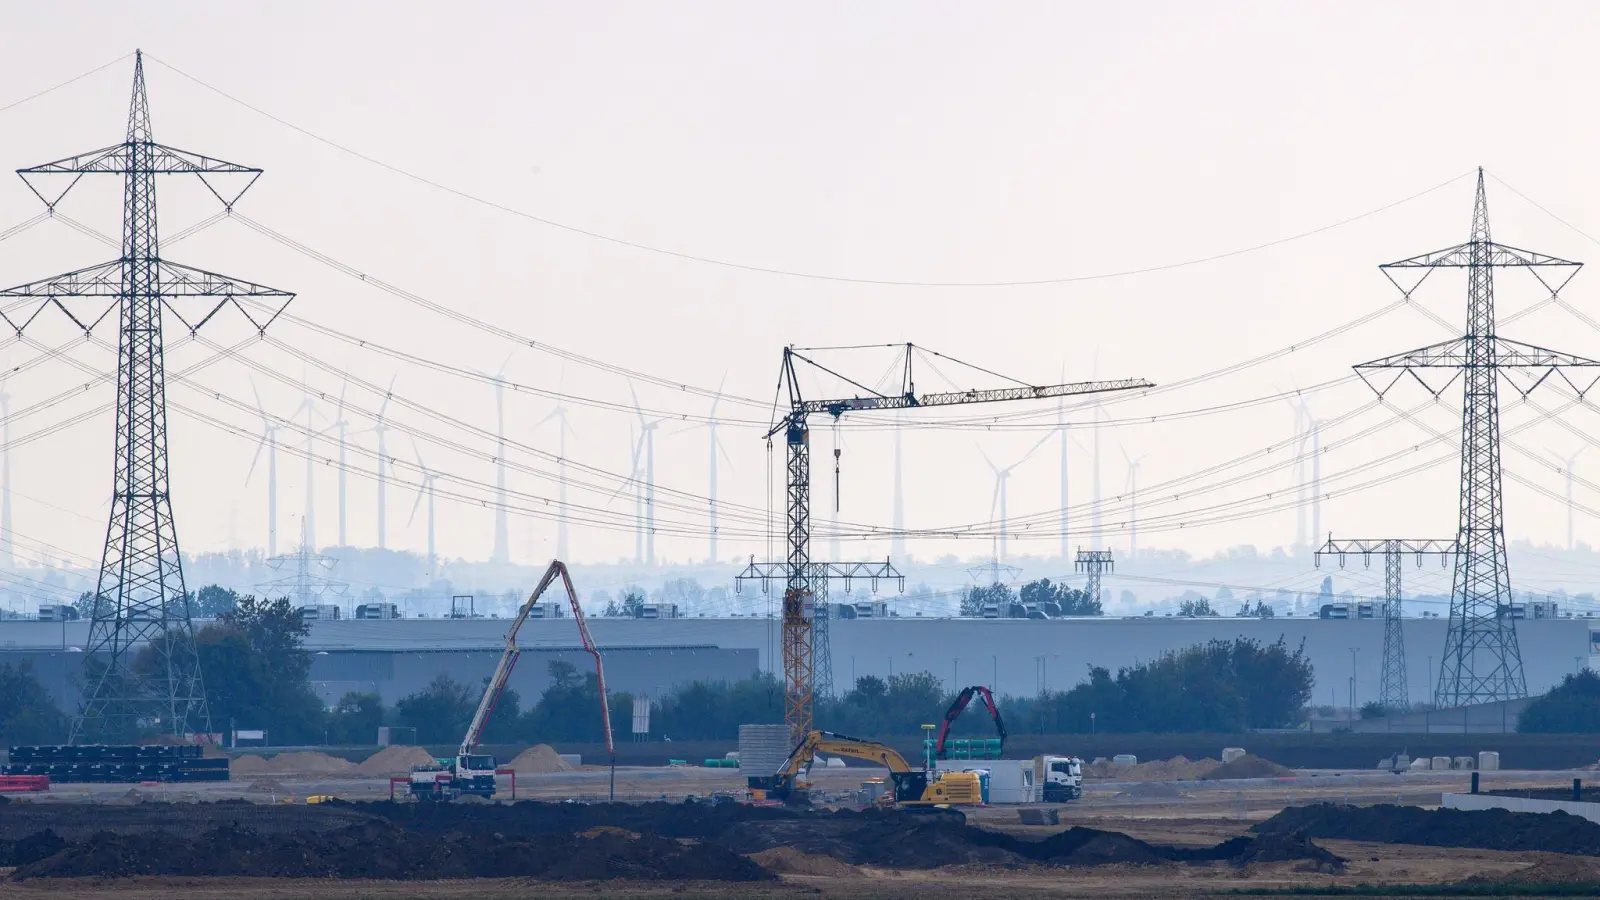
[1010,780]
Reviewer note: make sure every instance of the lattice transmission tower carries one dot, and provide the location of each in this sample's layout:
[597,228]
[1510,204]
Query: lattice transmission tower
[1094,564]
[1481,661]
[1393,692]
[140,602]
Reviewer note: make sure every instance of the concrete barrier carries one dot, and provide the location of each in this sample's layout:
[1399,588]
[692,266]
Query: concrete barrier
[1590,811]
[1421,764]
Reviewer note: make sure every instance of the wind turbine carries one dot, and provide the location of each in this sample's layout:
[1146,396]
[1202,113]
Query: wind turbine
[425,486]
[308,523]
[1313,433]
[1001,476]
[381,428]
[502,536]
[7,555]
[1061,423]
[647,443]
[897,544]
[1567,469]
[1094,542]
[559,414]
[342,425]
[714,447]
[1133,501]
[269,441]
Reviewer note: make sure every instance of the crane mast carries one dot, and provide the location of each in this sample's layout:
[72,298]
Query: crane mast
[797,626]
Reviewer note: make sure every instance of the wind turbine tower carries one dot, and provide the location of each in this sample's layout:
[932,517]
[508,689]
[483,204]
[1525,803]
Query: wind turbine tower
[1568,470]
[559,414]
[502,532]
[426,486]
[1133,502]
[647,445]
[269,442]
[8,557]
[897,544]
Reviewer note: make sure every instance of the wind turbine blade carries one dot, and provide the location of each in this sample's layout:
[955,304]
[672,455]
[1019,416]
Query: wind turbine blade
[1048,436]
[724,451]
[992,467]
[343,386]
[718,398]
[633,473]
[384,406]
[635,395]
[255,459]
[994,499]
[260,408]
[422,487]
[501,375]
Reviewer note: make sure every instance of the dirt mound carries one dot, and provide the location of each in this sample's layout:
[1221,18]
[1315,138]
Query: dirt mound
[789,861]
[1248,766]
[1178,768]
[396,760]
[31,849]
[1550,870]
[265,786]
[1487,829]
[1281,848]
[384,850]
[303,763]
[539,759]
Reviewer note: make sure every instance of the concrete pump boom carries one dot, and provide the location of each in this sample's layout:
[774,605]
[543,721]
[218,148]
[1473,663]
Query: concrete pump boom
[508,660]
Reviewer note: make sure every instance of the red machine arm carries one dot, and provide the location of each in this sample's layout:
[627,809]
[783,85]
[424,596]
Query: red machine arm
[959,706]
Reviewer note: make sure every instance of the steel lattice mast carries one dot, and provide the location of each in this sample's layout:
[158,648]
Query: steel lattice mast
[801,652]
[1481,661]
[1094,563]
[140,600]
[1393,692]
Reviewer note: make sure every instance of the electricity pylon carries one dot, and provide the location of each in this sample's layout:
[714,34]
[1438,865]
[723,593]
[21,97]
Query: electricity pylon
[1094,564]
[140,601]
[1393,692]
[1481,661]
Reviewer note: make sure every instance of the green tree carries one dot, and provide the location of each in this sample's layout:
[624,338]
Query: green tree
[212,601]
[1198,607]
[256,670]
[976,597]
[440,712]
[1068,601]
[631,605]
[27,714]
[1571,707]
[355,719]
[569,709]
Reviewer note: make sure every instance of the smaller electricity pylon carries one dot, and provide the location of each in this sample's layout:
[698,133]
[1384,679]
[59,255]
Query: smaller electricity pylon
[1094,563]
[1393,693]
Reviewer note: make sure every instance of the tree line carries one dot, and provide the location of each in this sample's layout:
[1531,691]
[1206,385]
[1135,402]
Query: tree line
[257,675]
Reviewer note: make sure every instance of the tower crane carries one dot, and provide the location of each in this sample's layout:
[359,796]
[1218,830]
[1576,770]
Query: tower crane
[798,569]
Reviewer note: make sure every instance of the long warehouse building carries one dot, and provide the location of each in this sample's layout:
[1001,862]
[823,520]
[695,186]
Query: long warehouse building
[395,657]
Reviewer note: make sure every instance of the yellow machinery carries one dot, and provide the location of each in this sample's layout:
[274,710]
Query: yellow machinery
[912,787]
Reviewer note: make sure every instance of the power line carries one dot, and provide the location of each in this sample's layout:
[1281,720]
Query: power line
[789,273]
[73,80]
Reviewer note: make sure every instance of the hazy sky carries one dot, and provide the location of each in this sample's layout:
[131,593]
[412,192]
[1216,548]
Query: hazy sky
[915,142]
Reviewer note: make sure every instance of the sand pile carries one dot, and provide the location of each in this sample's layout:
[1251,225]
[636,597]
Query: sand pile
[308,763]
[789,861]
[1178,768]
[396,760]
[1248,766]
[265,786]
[539,759]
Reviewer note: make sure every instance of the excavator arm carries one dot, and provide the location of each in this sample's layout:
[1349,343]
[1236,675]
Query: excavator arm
[960,706]
[840,745]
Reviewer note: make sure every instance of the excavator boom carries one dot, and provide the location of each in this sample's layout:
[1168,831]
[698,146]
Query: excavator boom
[959,706]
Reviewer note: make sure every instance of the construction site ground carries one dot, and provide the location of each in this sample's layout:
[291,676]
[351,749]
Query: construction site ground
[1182,814]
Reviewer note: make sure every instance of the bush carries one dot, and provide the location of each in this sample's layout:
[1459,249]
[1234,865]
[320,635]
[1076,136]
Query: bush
[1572,707]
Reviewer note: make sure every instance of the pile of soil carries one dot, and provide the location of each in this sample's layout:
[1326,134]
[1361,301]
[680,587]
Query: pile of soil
[1248,766]
[265,786]
[1178,768]
[307,763]
[1550,870]
[902,840]
[1488,829]
[31,849]
[789,861]
[395,760]
[1280,847]
[539,759]
[384,850]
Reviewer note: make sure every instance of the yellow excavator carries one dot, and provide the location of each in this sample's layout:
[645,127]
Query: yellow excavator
[913,788]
